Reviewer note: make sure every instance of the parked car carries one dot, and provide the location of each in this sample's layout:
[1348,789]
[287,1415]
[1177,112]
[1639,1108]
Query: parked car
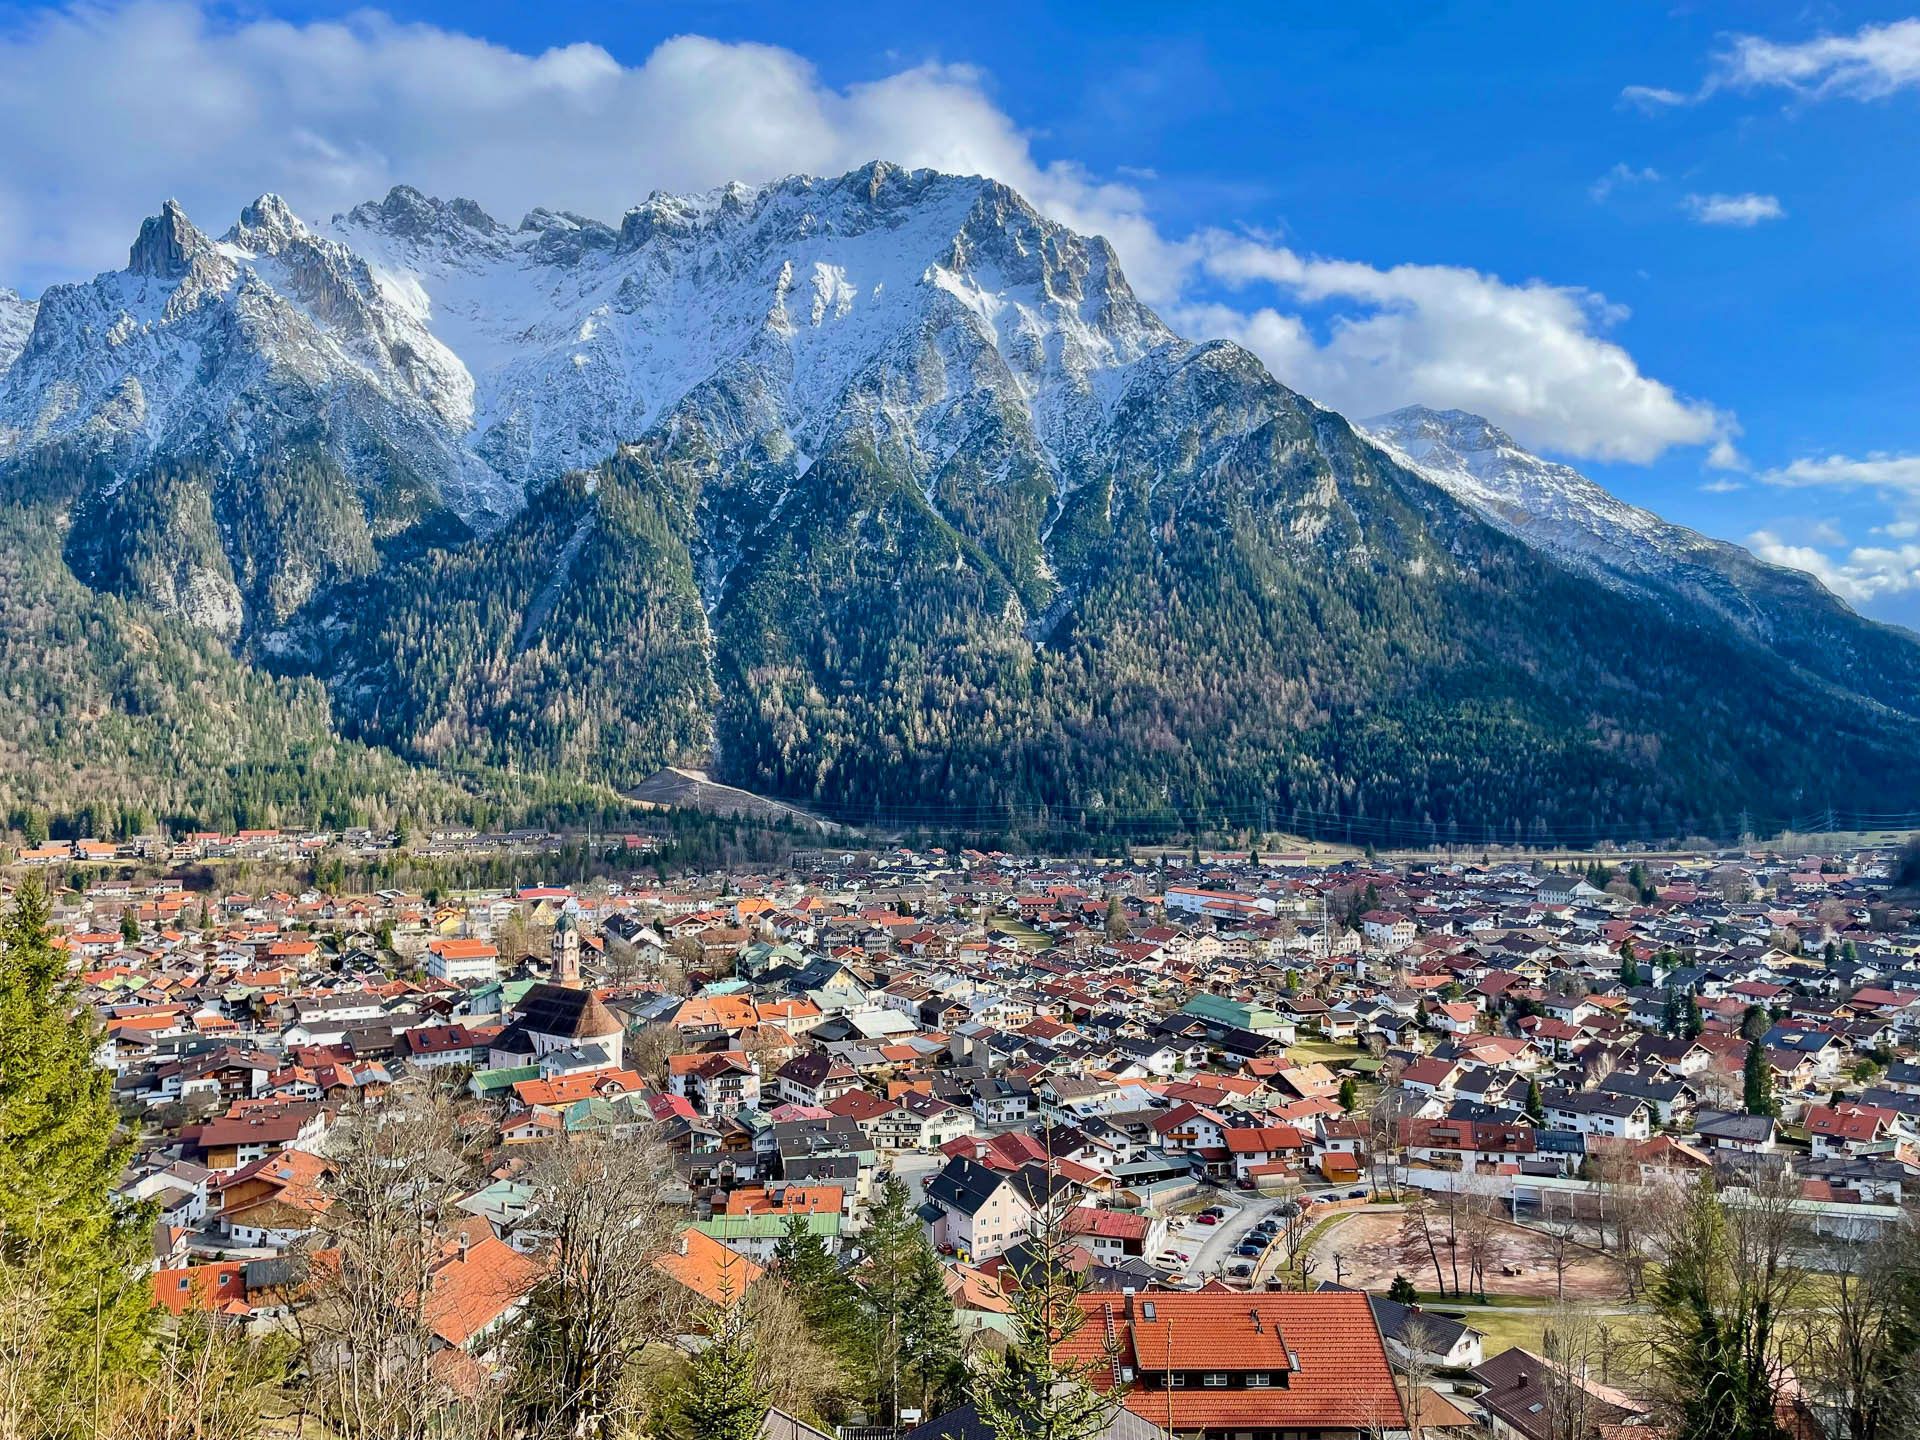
[1239,1270]
[1251,1251]
[1359,1194]
[1203,1218]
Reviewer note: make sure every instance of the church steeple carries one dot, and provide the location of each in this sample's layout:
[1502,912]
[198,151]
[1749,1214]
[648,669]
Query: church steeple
[566,949]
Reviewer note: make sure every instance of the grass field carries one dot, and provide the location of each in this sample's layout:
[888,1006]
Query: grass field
[1329,1052]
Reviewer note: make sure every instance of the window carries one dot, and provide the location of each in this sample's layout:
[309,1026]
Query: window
[1176,1380]
[1214,1378]
[1259,1380]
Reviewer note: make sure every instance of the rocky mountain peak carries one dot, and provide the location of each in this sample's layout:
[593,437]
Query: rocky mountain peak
[267,225]
[167,245]
[408,214]
[1416,427]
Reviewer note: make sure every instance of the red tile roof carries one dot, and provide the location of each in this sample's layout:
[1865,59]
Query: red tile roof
[1323,1352]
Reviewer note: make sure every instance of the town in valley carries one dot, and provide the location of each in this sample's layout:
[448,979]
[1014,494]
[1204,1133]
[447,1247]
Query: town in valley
[1311,1146]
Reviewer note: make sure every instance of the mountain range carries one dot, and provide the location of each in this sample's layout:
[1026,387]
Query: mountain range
[883,494]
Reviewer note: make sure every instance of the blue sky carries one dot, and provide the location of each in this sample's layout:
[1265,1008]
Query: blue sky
[1674,245]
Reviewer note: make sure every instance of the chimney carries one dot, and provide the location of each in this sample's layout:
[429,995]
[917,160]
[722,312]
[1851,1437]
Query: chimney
[1520,1380]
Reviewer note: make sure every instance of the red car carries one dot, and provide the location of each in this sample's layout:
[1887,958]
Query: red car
[1207,1219]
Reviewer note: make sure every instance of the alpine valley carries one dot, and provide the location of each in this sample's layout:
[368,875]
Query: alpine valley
[881,494]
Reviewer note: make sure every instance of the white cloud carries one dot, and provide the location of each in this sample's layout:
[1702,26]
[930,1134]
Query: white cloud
[1620,176]
[1874,61]
[1744,211]
[1529,355]
[1651,97]
[1895,474]
[1862,575]
[108,109]
[1722,486]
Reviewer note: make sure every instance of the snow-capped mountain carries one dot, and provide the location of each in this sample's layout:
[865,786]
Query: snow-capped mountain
[1557,510]
[494,358]
[879,489]
[1547,504]
[16,322]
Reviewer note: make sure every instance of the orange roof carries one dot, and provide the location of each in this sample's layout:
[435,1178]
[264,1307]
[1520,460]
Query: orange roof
[200,1287]
[726,1012]
[794,1200]
[708,1268]
[1323,1350]
[475,1281]
[565,1089]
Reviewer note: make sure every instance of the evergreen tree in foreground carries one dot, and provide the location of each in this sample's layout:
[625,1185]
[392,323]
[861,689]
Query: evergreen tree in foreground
[914,1348]
[60,1156]
[719,1399]
[1031,1392]
[829,1302]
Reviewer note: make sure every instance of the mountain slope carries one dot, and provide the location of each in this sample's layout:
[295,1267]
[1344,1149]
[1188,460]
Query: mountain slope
[884,494]
[16,323]
[1561,512]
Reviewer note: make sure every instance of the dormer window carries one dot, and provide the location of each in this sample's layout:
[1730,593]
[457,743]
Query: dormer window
[1259,1380]
[1214,1379]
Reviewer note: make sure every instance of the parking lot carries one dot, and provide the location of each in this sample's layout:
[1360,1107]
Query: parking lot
[1200,1251]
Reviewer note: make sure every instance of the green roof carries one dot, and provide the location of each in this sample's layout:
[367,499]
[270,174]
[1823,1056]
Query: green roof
[767,1227]
[486,1082]
[1231,1012]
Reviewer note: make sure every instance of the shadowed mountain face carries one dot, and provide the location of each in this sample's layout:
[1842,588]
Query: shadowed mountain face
[884,494]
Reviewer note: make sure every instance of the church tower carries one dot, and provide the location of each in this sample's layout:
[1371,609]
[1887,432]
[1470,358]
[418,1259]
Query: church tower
[566,950]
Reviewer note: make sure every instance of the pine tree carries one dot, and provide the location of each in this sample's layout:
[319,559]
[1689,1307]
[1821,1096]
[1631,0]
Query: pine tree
[1401,1291]
[1694,1022]
[930,1340]
[719,1399]
[1349,1095]
[1670,1013]
[129,927]
[1536,1107]
[61,1154]
[1031,1392]
[1629,967]
[1759,1082]
[910,1326]
[828,1299]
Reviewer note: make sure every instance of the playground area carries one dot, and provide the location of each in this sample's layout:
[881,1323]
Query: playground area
[1367,1248]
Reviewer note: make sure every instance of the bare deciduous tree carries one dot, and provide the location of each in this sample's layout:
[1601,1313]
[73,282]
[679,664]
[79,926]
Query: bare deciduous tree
[1862,1351]
[1572,1346]
[363,1322]
[599,1202]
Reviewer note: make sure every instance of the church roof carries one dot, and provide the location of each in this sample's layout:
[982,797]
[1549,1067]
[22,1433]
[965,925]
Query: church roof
[559,1010]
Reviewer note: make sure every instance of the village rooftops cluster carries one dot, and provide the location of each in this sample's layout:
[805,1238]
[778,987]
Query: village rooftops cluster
[1020,1038]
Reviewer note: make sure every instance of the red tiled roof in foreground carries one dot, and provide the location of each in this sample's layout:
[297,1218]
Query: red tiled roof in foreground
[1322,1353]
